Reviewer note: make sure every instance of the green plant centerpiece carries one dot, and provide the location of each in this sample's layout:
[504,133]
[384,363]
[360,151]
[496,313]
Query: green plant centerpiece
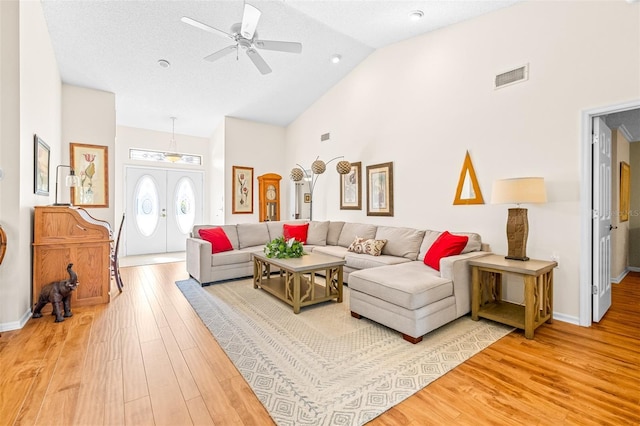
[284,249]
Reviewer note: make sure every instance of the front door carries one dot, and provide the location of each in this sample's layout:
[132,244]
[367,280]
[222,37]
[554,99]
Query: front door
[162,206]
[601,218]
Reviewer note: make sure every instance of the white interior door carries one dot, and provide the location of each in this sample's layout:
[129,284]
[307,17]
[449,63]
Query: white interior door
[162,206]
[601,219]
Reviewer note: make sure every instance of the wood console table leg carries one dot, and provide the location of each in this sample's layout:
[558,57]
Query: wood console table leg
[296,292]
[529,305]
[476,293]
[549,294]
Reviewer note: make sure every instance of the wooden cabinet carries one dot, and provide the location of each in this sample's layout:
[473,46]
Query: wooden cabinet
[269,197]
[63,235]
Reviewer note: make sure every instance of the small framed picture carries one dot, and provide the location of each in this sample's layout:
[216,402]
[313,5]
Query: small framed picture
[91,165]
[242,196]
[42,160]
[307,197]
[380,190]
[351,188]
[625,191]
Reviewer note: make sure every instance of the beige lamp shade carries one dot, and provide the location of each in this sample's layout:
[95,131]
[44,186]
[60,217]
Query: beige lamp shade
[519,191]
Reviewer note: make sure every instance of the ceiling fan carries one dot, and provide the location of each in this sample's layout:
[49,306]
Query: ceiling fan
[245,37]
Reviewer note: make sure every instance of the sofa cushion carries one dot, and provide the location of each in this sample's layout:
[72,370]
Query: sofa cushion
[335,228]
[402,242]
[474,243]
[231,258]
[299,232]
[317,233]
[352,230]
[364,261]
[229,230]
[252,234]
[446,245]
[371,247]
[336,251]
[275,227]
[218,239]
[409,285]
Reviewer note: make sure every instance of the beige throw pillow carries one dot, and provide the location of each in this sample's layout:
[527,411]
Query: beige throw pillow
[367,246]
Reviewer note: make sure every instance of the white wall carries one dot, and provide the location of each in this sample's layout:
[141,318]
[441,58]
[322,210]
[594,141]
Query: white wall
[31,95]
[89,117]
[217,181]
[256,145]
[424,102]
[131,137]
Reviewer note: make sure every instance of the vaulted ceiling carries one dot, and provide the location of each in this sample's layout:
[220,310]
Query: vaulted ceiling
[116,46]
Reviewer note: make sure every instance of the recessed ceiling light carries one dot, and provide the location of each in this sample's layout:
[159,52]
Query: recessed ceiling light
[336,58]
[164,63]
[416,15]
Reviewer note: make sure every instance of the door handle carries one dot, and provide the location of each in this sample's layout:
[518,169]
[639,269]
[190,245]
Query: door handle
[611,227]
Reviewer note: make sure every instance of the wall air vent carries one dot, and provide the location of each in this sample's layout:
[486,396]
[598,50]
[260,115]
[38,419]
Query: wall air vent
[516,75]
[324,137]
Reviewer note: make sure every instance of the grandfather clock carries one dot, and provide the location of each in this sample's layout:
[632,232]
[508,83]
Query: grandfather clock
[269,197]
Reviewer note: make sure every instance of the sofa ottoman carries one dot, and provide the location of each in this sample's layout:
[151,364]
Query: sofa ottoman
[409,297]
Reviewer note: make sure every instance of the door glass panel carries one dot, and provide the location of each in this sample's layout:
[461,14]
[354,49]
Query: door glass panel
[147,209]
[185,205]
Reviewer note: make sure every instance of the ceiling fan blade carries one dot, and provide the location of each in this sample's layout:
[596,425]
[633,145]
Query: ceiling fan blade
[258,61]
[280,46]
[220,53]
[205,27]
[250,20]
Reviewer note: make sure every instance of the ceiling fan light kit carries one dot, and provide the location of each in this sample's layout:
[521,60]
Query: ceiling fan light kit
[245,36]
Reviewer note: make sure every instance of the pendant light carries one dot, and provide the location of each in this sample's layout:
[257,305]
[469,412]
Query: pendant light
[172,155]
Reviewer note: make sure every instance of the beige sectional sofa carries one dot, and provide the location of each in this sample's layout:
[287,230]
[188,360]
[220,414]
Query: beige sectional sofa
[395,289]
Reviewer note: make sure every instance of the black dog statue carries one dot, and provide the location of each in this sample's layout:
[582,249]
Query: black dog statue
[59,294]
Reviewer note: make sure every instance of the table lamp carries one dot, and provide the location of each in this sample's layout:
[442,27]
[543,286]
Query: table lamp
[518,191]
[71,181]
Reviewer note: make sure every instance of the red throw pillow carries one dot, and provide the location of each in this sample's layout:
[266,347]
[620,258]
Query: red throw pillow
[299,232]
[446,245]
[218,239]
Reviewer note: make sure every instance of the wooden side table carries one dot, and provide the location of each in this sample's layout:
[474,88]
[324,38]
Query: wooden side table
[486,299]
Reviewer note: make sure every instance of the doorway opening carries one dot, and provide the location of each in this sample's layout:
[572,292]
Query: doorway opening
[590,264]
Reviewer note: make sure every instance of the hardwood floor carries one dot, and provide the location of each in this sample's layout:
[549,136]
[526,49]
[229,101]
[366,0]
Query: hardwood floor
[146,358]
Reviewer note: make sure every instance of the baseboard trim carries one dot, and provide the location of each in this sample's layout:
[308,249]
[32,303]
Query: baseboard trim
[619,278]
[633,269]
[16,325]
[566,318]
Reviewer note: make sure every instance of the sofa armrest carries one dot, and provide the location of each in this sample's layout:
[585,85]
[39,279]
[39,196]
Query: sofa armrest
[457,269]
[199,259]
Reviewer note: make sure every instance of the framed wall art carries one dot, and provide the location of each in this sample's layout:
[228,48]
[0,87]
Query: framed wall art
[242,199]
[351,188]
[380,189]
[42,160]
[90,163]
[625,191]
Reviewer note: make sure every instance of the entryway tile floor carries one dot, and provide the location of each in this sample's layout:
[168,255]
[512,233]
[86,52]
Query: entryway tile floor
[151,259]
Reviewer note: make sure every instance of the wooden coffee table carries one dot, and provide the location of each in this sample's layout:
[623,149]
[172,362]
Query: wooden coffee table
[296,283]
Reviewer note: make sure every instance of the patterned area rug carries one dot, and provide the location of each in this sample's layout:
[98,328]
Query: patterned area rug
[323,367]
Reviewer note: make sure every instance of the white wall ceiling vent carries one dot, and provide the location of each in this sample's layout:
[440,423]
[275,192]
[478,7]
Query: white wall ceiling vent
[507,78]
[325,137]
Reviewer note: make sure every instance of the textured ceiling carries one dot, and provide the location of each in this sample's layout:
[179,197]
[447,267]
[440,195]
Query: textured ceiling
[115,46]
